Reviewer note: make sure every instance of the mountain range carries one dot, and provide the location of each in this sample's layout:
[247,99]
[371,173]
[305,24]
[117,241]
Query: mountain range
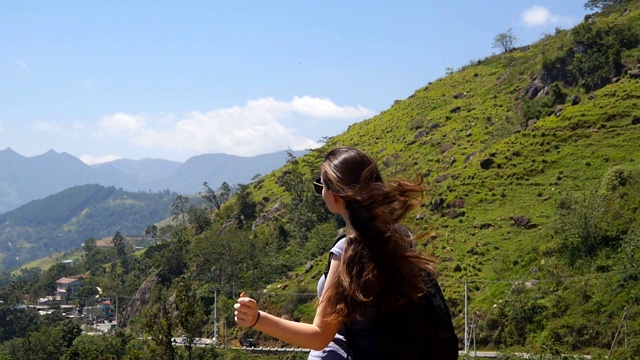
[25,179]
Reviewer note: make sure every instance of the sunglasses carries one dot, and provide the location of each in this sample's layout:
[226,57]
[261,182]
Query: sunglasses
[317,185]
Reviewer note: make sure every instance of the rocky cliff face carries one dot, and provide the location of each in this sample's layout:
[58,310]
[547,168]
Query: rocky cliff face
[138,302]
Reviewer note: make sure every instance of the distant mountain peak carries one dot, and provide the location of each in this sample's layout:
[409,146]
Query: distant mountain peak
[10,152]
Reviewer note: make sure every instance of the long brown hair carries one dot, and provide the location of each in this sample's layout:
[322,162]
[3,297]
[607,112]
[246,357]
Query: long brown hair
[378,263]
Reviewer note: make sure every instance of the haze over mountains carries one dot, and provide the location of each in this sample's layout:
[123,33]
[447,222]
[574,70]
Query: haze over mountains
[24,179]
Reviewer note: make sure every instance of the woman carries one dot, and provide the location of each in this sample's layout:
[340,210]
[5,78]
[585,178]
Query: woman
[372,271]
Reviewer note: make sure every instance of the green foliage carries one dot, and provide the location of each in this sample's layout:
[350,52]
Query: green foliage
[603,43]
[179,208]
[320,237]
[595,56]
[15,323]
[214,199]
[630,253]
[89,347]
[171,263]
[544,106]
[606,5]
[245,206]
[42,341]
[618,177]
[199,219]
[631,351]
[307,209]
[158,324]
[189,312]
[65,220]
[594,221]
[515,317]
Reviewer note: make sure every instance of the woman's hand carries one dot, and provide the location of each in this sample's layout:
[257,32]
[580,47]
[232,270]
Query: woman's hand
[246,313]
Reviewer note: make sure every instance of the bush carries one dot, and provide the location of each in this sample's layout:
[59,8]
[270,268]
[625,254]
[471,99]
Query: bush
[617,177]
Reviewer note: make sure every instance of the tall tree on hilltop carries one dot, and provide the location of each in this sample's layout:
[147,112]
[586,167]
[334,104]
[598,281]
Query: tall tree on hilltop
[152,230]
[605,4]
[119,243]
[179,208]
[505,41]
[215,200]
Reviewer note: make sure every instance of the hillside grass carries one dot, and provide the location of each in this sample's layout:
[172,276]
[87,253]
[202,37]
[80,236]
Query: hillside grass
[445,137]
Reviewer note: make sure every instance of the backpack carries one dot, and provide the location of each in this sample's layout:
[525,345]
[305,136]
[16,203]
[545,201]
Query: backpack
[422,330]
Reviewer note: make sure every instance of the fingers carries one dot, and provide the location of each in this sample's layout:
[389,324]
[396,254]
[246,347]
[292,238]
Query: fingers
[246,311]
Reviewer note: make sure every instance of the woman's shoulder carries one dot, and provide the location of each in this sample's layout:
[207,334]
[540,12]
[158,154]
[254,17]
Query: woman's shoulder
[338,247]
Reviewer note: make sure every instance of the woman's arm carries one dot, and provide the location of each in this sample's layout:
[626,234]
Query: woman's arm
[314,336]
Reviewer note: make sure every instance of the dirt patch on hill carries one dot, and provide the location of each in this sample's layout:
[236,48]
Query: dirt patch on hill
[108,241]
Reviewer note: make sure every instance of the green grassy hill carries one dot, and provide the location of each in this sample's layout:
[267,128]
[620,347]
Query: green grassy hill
[526,135]
[63,221]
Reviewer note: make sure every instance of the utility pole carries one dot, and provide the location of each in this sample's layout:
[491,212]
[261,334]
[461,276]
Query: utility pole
[116,310]
[466,317]
[473,329]
[215,314]
[623,322]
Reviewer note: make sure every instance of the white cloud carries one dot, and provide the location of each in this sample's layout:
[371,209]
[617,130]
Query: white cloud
[90,160]
[310,106]
[22,65]
[540,16]
[46,126]
[123,123]
[255,128]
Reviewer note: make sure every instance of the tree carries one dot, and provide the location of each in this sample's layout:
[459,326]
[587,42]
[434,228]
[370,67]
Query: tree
[605,4]
[16,323]
[190,313]
[119,244]
[216,199]
[179,208]
[307,209]
[157,322]
[152,230]
[505,41]
[89,348]
[245,205]
[600,218]
[89,245]
[172,261]
[199,219]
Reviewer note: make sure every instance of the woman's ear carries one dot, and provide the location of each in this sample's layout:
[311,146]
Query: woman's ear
[338,200]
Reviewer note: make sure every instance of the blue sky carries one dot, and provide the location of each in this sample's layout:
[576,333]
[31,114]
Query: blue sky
[174,79]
